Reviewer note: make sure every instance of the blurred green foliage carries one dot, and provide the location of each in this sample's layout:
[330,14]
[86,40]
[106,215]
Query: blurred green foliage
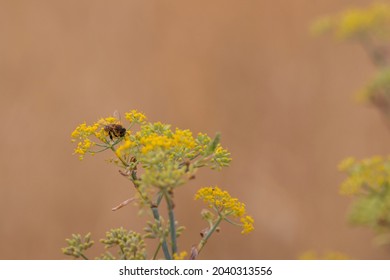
[368,180]
[370,28]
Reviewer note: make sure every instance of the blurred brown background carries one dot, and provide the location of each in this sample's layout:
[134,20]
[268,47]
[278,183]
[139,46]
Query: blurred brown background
[283,101]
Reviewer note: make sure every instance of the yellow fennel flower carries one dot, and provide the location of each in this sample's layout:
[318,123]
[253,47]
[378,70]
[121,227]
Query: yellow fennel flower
[135,116]
[226,206]
[247,224]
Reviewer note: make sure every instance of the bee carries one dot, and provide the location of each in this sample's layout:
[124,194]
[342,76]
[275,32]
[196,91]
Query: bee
[115,130]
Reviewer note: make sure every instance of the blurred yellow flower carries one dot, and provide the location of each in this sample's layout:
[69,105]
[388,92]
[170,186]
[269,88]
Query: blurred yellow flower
[371,173]
[346,163]
[357,23]
[330,255]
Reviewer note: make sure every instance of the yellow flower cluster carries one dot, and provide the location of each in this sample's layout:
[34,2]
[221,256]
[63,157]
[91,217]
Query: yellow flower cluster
[122,149]
[155,141]
[368,174]
[346,163]
[357,23]
[82,133]
[89,135]
[354,22]
[108,120]
[247,224]
[184,138]
[225,205]
[221,200]
[180,140]
[135,116]
[222,157]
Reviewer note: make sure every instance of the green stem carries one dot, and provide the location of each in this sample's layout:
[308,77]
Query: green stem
[123,253]
[157,250]
[99,151]
[156,216]
[105,145]
[172,225]
[231,222]
[130,126]
[134,179]
[203,242]
[159,198]
[120,158]
[83,256]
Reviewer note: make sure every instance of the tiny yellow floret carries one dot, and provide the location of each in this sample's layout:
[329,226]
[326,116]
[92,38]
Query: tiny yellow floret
[247,224]
[180,256]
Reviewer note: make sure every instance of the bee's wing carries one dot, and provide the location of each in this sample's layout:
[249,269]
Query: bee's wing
[117,115]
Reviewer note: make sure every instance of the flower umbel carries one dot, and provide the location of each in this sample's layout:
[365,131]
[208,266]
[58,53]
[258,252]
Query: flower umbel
[221,201]
[131,244]
[247,224]
[135,117]
[78,245]
[226,207]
